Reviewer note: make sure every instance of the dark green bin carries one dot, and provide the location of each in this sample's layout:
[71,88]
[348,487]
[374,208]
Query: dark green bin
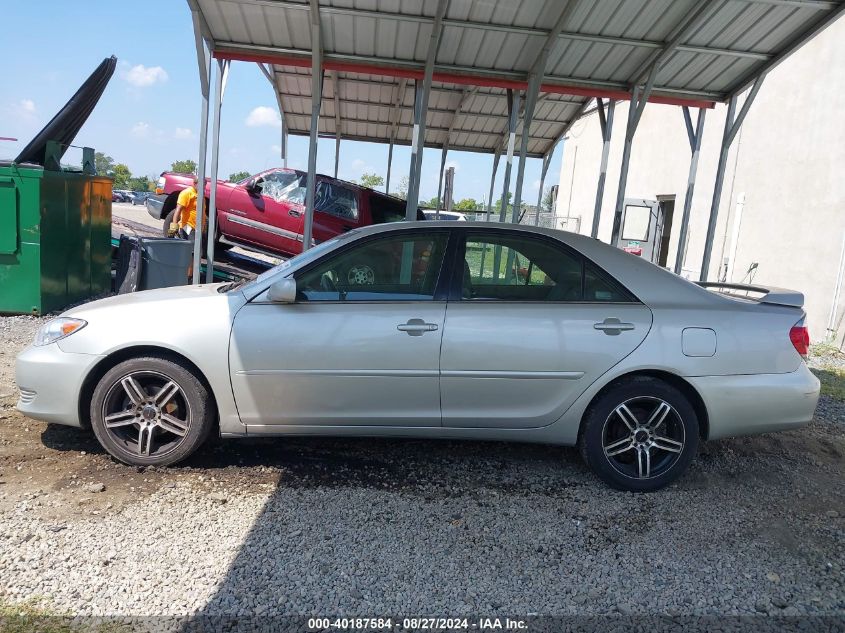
[55,237]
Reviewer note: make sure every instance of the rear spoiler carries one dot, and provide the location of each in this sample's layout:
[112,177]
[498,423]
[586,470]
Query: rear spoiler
[769,294]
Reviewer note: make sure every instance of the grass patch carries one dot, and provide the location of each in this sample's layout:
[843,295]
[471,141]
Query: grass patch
[34,615]
[833,382]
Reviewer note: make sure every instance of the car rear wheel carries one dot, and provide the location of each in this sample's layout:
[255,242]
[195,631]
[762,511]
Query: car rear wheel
[640,435]
[151,411]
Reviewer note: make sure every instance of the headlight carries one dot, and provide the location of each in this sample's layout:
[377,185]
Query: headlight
[57,329]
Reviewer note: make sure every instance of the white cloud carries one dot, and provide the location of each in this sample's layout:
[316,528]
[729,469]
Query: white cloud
[535,185]
[183,133]
[276,149]
[141,130]
[142,77]
[264,116]
[23,111]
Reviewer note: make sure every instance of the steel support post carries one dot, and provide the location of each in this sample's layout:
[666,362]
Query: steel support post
[639,98]
[440,180]
[531,94]
[336,154]
[496,158]
[513,117]
[389,163]
[546,160]
[420,112]
[606,124]
[316,101]
[337,122]
[219,89]
[695,148]
[731,128]
[204,60]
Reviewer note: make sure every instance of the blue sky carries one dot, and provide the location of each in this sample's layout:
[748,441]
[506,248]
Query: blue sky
[150,112]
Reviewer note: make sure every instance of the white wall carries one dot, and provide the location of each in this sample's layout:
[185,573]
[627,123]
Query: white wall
[788,161]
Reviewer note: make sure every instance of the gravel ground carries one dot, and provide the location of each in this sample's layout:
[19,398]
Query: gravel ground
[375,527]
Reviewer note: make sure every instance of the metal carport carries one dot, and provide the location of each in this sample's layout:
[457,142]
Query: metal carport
[478,75]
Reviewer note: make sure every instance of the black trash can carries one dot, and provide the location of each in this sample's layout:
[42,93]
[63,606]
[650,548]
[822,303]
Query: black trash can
[166,262]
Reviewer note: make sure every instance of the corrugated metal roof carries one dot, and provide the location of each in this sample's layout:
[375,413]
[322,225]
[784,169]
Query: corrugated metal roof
[371,48]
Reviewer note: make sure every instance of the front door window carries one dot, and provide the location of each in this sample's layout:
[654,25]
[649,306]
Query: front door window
[393,268]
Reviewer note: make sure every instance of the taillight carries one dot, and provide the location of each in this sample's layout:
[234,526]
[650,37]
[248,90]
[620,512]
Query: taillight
[800,337]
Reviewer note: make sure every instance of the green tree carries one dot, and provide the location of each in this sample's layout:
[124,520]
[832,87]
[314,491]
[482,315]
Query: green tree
[430,204]
[403,188]
[371,181]
[498,206]
[467,204]
[184,166]
[104,164]
[139,183]
[239,175]
[121,175]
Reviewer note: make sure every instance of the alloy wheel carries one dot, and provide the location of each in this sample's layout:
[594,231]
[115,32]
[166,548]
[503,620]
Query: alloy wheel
[147,413]
[643,437]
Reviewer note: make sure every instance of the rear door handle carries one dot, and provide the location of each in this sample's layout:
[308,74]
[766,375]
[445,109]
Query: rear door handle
[613,326]
[416,327]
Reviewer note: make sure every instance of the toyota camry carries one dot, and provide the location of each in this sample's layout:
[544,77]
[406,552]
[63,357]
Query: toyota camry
[435,330]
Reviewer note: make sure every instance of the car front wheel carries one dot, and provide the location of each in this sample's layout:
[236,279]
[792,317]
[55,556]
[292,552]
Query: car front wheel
[640,435]
[151,411]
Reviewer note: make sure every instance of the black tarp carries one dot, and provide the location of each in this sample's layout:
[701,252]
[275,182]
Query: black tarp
[64,127]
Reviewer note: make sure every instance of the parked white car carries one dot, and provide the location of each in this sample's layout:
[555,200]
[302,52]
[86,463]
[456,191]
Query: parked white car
[434,330]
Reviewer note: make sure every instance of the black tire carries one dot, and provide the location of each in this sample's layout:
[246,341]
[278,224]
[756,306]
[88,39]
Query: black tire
[634,455]
[219,245]
[170,432]
[167,222]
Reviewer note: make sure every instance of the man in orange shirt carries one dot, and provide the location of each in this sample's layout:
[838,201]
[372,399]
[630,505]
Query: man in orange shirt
[185,219]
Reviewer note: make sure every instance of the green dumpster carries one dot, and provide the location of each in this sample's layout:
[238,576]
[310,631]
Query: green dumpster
[55,237]
[55,221]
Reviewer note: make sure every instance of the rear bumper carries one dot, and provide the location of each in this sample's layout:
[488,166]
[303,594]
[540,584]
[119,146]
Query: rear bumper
[758,403]
[49,381]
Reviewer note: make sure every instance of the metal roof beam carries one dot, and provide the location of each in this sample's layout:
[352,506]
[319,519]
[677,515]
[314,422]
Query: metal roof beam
[428,127]
[692,21]
[461,75]
[462,112]
[824,21]
[524,30]
[428,144]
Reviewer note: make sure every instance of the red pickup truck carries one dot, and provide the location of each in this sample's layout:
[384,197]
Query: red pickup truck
[267,211]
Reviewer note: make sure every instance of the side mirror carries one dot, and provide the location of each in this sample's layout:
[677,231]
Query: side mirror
[282,291]
[251,186]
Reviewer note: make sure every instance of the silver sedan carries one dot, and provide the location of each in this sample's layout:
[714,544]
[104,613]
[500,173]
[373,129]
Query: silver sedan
[434,330]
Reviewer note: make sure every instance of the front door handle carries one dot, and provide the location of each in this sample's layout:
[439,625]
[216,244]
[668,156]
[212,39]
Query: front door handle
[613,326]
[293,213]
[416,327]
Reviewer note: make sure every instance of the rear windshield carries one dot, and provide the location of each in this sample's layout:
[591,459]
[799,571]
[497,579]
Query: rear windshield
[384,209]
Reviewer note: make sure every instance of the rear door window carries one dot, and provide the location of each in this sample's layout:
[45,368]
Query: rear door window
[337,200]
[384,209]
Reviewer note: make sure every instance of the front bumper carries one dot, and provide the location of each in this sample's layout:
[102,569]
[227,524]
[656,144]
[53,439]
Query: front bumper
[49,381]
[758,403]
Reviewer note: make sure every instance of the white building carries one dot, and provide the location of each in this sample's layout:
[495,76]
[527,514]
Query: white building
[782,215]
